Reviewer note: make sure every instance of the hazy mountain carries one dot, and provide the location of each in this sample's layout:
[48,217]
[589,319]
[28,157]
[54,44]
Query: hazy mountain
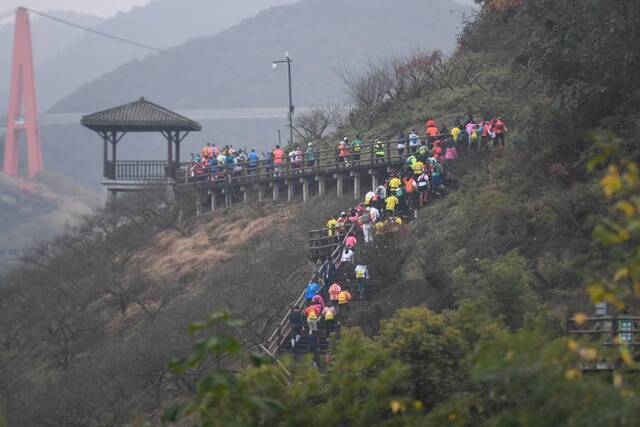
[233,68]
[161,23]
[48,37]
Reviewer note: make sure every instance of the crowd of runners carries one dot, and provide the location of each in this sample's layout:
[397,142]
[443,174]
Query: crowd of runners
[383,211]
[215,163]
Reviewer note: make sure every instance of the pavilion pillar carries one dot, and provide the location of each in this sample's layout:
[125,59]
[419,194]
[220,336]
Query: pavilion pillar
[260,191]
[112,197]
[176,164]
[105,155]
[169,155]
[321,185]
[276,190]
[289,190]
[114,142]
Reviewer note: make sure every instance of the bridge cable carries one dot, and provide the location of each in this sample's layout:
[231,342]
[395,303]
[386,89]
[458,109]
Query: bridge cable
[99,33]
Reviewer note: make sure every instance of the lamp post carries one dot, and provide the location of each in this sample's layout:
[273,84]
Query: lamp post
[288,61]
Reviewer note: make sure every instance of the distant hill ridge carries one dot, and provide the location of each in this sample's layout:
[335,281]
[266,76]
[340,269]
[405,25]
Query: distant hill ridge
[160,23]
[233,68]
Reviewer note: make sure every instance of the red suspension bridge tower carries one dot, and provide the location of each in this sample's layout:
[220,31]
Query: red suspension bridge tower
[22,115]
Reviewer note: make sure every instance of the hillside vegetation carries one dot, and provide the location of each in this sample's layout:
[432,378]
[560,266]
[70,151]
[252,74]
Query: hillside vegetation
[468,328]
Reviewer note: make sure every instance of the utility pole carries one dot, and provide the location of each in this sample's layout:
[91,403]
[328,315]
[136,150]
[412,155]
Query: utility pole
[288,61]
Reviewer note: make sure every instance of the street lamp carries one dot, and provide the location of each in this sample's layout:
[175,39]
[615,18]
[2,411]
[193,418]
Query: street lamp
[288,61]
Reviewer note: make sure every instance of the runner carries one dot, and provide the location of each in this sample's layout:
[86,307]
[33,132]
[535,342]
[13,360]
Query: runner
[499,128]
[414,141]
[297,324]
[402,144]
[329,314]
[390,207]
[278,158]
[343,300]
[311,155]
[334,290]
[347,255]
[379,151]
[362,275]
[312,289]
[343,153]
[312,322]
[356,148]
[367,226]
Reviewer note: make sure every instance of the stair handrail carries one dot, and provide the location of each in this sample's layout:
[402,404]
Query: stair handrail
[281,332]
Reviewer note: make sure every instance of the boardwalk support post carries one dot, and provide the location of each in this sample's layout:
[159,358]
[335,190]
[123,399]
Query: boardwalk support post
[289,190]
[321,185]
[339,185]
[276,190]
[212,194]
[374,179]
[260,191]
[356,184]
[305,189]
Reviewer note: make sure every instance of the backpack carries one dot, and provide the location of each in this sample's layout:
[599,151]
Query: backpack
[328,315]
[313,315]
[342,298]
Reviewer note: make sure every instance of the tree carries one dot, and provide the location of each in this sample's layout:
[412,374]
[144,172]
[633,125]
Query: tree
[504,285]
[310,126]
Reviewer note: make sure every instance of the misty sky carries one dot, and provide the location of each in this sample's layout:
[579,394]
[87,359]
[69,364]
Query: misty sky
[102,8]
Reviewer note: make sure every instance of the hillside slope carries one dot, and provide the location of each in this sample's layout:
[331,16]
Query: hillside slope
[32,216]
[173,269]
[233,68]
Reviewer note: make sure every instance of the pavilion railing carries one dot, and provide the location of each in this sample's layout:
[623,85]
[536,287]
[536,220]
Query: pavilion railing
[139,170]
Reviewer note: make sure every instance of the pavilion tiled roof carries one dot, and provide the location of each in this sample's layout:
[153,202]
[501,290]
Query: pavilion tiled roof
[139,116]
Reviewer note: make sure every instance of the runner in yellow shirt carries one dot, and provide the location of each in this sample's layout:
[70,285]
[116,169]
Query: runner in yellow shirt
[391,203]
[331,226]
[394,183]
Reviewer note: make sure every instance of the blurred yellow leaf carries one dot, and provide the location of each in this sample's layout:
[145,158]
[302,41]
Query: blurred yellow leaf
[617,379]
[418,405]
[397,406]
[588,353]
[627,207]
[627,393]
[580,318]
[509,355]
[572,344]
[571,374]
[611,182]
[621,274]
[626,357]
[596,291]
[452,416]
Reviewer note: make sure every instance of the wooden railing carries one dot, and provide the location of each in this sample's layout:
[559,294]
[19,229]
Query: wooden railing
[283,329]
[608,331]
[322,162]
[322,245]
[139,170]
